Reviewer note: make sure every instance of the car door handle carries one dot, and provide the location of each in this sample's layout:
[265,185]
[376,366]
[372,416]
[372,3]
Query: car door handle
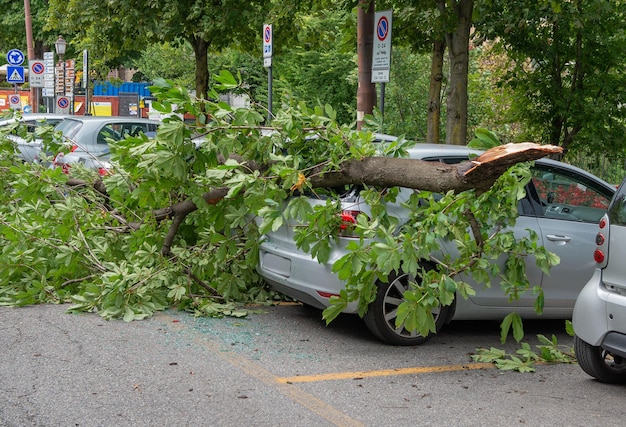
[558,238]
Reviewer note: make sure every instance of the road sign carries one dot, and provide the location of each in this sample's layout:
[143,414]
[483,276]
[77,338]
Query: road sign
[63,105]
[36,73]
[267,42]
[15,74]
[15,57]
[381,57]
[49,76]
[14,101]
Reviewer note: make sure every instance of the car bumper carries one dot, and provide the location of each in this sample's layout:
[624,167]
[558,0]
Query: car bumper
[599,316]
[291,272]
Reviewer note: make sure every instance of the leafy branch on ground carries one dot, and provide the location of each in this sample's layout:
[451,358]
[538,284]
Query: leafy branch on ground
[525,358]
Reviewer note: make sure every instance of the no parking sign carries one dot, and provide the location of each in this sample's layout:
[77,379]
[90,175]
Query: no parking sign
[267,45]
[14,101]
[36,73]
[381,56]
[63,105]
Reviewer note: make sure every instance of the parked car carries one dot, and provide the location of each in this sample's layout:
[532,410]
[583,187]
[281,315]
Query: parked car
[89,138]
[30,149]
[563,205]
[599,318]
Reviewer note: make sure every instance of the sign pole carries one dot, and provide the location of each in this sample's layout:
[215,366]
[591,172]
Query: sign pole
[382,99]
[267,62]
[86,82]
[269,94]
[381,57]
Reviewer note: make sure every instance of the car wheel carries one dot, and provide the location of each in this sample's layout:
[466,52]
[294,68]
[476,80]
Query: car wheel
[599,363]
[381,314]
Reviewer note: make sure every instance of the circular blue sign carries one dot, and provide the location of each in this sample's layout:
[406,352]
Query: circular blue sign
[267,34]
[27,109]
[15,57]
[38,68]
[382,29]
[63,102]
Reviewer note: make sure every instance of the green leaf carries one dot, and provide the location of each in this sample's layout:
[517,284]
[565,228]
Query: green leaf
[512,321]
[226,80]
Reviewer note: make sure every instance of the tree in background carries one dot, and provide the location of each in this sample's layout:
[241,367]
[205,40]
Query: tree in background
[115,31]
[13,34]
[406,95]
[566,69]
[162,60]
[320,66]
[440,27]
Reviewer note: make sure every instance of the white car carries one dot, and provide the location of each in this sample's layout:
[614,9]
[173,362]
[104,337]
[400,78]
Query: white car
[599,318]
[563,205]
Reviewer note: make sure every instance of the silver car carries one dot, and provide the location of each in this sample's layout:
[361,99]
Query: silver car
[29,149]
[599,318]
[89,138]
[563,205]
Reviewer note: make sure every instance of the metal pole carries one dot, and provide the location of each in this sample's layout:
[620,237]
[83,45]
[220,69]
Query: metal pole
[64,92]
[86,81]
[269,94]
[382,100]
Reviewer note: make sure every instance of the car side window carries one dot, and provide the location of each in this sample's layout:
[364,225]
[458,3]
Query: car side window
[108,132]
[569,196]
[617,210]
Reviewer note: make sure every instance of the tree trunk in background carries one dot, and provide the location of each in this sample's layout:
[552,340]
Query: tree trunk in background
[457,43]
[433,131]
[366,91]
[201,48]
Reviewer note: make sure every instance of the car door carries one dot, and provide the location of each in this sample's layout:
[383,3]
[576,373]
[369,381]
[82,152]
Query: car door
[493,295]
[572,203]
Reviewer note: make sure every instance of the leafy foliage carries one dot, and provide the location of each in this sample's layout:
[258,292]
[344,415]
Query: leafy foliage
[524,360]
[180,221]
[565,67]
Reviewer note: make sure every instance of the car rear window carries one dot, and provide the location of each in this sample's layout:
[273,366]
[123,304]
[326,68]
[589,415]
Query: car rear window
[69,128]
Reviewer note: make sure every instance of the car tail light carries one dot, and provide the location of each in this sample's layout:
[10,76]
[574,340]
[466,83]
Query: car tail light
[326,294]
[103,171]
[348,221]
[56,162]
[598,256]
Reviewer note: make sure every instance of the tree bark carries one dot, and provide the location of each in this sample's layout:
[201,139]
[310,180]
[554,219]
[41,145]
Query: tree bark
[433,129]
[201,49]
[457,43]
[479,173]
[366,90]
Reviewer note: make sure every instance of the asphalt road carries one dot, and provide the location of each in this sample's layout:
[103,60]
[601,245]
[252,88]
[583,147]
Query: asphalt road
[279,367]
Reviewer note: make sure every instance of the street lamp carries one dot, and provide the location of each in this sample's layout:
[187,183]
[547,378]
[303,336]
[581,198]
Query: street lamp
[60,46]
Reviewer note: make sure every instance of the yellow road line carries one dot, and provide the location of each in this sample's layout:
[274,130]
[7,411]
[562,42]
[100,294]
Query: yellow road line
[383,373]
[254,370]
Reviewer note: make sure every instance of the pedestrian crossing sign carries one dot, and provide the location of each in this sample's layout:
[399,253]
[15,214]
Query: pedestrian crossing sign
[15,74]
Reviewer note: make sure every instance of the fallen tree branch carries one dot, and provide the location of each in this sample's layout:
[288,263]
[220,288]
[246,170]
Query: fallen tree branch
[479,174]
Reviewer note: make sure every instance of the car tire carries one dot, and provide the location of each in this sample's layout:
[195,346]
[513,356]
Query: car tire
[380,317]
[599,363]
